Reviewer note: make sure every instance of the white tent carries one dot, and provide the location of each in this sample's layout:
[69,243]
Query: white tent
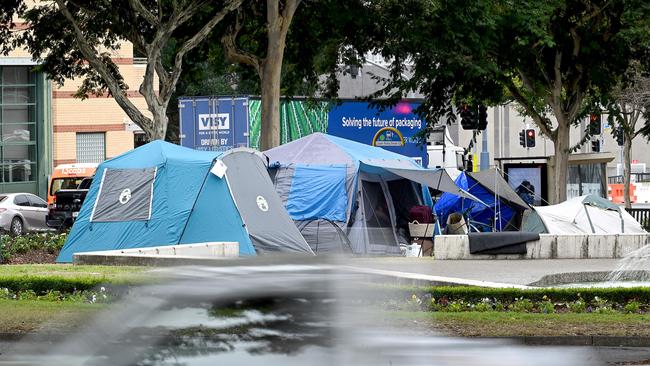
[588,214]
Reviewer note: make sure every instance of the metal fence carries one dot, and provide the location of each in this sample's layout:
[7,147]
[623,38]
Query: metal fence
[634,178]
[642,215]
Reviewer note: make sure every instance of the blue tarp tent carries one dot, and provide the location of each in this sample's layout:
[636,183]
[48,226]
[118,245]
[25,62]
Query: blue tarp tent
[164,194]
[501,209]
[348,196]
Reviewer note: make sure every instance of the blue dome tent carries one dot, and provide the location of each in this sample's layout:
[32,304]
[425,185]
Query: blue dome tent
[163,194]
[501,208]
[348,195]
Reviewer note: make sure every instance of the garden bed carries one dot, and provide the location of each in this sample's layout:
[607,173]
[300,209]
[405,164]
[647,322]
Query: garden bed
[31,248]
[510,312]
[546,301]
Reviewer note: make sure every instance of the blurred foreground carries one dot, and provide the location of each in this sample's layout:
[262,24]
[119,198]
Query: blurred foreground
[277,313]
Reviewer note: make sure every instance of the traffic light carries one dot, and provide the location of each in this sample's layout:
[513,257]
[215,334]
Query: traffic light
[594,124]
[482,118]
[530,137]
[467,118]
[620,137]
[522,138]
[595,146]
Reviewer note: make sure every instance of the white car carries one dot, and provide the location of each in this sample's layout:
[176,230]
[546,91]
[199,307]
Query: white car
[22,212]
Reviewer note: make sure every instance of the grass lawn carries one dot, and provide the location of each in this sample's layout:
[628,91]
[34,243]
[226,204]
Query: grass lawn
[495,324]
[22,316]
[69,270]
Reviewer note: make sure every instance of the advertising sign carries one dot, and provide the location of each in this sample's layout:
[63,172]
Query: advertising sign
[533,177]
[393,129]
[213,124]
[221,123]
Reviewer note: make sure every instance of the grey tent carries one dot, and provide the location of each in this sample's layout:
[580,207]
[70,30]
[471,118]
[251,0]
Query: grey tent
[589,214]
[348,196]
[266,220]
[494,182]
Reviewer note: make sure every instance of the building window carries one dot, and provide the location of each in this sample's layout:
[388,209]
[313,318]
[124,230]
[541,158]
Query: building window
[139,139]
[586,179]
[18,153]
[91,147]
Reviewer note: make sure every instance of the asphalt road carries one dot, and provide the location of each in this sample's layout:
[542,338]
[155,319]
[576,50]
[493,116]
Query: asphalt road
[619,356]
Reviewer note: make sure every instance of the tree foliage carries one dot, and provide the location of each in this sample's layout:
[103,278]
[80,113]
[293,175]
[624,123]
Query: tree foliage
[290,45]
[9,10]
[554,58]
[323,38]
[76,39]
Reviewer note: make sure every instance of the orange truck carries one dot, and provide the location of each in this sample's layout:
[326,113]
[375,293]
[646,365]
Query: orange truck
[68,176]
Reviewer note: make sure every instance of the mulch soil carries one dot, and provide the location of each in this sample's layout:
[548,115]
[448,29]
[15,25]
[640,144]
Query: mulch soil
[38,256]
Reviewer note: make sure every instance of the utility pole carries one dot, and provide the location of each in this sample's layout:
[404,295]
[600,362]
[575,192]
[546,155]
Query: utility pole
[583,148]
[496,134]
[485,155]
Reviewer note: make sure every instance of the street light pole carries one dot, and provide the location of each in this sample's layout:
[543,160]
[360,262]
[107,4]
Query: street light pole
[485,154]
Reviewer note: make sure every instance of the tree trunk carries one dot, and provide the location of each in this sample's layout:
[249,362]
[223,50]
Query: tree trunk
[627,167]
[270,79]
[157,129]
[561,168]
[160,126]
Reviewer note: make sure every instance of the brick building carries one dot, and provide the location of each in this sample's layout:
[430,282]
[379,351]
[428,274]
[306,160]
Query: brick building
[42,125]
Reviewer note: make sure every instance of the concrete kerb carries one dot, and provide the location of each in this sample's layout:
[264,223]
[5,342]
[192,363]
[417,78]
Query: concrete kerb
[585,277]
[549,246]
[167,255]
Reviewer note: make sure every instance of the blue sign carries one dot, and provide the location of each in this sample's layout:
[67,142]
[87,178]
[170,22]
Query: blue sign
[213,124]
[393,129]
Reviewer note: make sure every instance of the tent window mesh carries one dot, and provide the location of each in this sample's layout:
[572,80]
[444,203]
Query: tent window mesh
[377,214]
[91,147]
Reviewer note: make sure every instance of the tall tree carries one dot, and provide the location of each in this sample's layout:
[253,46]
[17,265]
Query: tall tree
[631,104]
[290,49]
[268,62]
[548,56]
[75,38]
[323,33]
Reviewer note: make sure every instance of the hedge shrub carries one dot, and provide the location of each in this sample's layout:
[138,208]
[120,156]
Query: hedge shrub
[542,300]
[43,284]
[476,294]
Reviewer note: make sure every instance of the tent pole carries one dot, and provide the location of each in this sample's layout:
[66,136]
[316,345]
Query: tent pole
[593,231]
[622,222]
[497,204]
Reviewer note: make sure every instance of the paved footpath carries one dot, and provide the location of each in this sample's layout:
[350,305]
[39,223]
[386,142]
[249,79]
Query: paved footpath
[518,272]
